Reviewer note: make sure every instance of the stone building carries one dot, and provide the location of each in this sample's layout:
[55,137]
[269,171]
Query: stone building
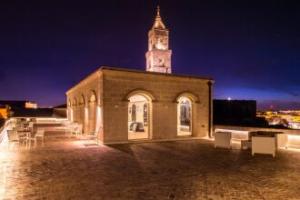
[120,105]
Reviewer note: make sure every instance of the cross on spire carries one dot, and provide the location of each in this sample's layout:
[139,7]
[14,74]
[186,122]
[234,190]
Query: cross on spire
[158,11]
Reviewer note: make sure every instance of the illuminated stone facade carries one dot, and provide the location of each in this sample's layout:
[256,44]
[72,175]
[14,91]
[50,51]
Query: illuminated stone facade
[120,105]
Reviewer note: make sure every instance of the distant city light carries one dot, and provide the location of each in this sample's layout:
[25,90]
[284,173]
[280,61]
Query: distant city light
[31,105]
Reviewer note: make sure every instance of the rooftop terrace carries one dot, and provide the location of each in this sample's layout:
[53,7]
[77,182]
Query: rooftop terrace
[79,169]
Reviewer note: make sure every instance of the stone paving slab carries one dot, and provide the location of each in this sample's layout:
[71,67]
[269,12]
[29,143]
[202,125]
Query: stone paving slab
[73,169]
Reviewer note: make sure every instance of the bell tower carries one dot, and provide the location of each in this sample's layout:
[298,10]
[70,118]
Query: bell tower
[158,56]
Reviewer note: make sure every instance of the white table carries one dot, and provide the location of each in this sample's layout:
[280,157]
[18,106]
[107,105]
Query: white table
[223,139]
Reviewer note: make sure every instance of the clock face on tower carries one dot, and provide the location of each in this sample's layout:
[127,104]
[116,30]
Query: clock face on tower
[161,44]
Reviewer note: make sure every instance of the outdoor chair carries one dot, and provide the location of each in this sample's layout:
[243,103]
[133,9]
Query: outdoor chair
[77,129]
[246,144]
[34,137]
[30,126]
[14,138]
[29,139]
[40,135]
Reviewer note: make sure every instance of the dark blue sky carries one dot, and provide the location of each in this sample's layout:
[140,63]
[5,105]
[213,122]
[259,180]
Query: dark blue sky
[251,48]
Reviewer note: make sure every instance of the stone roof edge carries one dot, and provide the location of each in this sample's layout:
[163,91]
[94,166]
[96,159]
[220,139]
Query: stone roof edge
[97,71]
[135,71]
[155,73]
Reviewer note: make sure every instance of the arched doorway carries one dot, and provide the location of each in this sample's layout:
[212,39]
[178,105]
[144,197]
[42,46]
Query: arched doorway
[139,116]
[184,116]
[92,110]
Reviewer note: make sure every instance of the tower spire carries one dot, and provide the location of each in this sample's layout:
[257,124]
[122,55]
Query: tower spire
[158,21]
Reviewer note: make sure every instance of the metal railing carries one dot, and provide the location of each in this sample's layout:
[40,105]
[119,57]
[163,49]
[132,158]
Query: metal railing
[3,132]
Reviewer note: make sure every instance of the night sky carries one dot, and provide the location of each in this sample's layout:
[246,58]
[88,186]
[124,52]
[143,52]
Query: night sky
[250,48]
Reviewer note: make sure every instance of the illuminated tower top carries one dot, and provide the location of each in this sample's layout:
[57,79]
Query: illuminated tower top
[158,57]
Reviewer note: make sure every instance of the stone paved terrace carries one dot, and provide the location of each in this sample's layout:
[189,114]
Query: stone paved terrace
[72,169]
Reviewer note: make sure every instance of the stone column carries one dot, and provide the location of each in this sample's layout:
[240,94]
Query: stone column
[210,108]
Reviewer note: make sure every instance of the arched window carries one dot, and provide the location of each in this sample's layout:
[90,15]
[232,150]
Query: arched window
[139,116]
[81,101]
[184,110]
[75,102]
[93,98]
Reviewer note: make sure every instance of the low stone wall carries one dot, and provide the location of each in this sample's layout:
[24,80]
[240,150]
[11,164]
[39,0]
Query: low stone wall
[3,133]
[245,128]
[241,132]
